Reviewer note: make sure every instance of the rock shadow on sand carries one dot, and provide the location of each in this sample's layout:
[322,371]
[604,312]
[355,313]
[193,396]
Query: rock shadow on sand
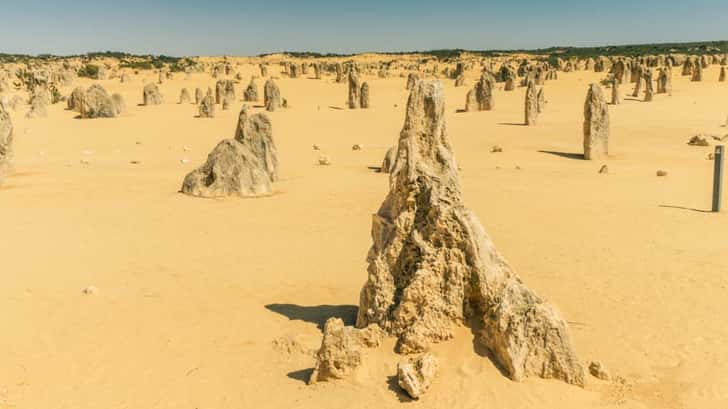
[302,375]
[317,314]
[692,209]
[393,386]
[568,155]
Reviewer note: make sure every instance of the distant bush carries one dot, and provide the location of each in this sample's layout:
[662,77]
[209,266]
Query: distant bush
[152,63]
[138,65]
[89,71]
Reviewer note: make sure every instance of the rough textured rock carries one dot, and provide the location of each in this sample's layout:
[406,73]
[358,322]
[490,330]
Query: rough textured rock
[293,70]
[721,77]
[341,350]
[412,79]
[198,96]
[231,170]
[598,371]
[207,107]
[460,80]
[541,98]
[596,124]
[699,140]
[649,90]
[184,96]
[251,91]
[616,95]
[38,107]
[340,73]
[354,90]
[224,89]
[510,84]
[6,142]
[256,132]
[119,104]
[263,70]
[364,94]
[480,98]
[74,100]
[432,266]
[697,73]
[664,81]
[389,158]
[245,166]
[152,96]
[317,70]
[271,96]
[619,71]
[531,108]
[639,82]
[416,375]
[97,103]
[687,68]
[471,102]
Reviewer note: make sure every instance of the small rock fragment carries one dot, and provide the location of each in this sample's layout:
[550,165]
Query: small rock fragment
[415,376]
[598,371]
[698,140]
[341,349]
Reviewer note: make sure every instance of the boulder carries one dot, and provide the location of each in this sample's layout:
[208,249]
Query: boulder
[151,95]
[231,169]
[97,103]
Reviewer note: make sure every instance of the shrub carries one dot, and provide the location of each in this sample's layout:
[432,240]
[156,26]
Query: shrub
[89,71]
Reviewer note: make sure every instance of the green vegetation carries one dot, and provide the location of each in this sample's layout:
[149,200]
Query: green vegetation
[631,50]
[148,62]
[89,71]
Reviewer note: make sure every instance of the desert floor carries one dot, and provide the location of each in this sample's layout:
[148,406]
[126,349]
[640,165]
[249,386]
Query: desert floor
[219,303]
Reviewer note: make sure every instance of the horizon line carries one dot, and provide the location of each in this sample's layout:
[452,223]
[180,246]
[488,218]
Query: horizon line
[334,54]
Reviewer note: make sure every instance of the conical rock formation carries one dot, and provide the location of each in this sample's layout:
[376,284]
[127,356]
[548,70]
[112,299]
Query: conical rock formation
[432,266]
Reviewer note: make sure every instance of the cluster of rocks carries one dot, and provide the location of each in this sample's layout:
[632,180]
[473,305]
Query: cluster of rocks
[358,92]
[95,102]
[480,98]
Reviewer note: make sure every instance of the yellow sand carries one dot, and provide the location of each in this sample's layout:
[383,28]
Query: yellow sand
[217,303]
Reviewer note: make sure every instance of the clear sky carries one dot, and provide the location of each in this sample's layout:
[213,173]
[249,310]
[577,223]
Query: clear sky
[243,27]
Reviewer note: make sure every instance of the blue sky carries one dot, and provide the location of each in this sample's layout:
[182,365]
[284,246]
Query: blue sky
[217,27]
